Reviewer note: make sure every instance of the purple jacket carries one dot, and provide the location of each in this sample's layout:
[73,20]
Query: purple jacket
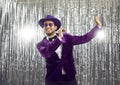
[53,63]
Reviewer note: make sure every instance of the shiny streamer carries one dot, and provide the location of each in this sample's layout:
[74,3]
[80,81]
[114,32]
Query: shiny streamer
[97,62]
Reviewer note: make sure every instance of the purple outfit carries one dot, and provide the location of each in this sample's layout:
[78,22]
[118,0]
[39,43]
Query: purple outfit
[53,63]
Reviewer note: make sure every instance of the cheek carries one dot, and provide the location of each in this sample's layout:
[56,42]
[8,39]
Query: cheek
[55,29]
[45,30]
[52,29]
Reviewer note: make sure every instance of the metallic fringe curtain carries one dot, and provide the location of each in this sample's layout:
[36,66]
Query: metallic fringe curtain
[97,62]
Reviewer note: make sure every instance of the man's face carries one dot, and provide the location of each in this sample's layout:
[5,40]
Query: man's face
[49,27]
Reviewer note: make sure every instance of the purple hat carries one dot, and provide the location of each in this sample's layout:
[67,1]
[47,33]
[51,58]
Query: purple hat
[51,18]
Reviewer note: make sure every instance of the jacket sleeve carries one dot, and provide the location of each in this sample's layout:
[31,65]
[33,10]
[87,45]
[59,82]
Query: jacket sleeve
[46,50]
[76,40]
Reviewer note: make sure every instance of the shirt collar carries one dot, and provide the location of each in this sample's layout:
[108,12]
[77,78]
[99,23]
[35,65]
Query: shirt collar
[47,37]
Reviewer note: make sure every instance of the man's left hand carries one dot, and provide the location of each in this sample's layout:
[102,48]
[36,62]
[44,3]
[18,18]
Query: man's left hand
[97,21]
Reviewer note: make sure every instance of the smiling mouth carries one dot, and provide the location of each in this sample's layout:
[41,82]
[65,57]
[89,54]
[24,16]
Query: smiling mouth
[49,34]
[48,31]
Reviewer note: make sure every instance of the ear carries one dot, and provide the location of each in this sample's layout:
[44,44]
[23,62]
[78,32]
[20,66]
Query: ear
[56,28]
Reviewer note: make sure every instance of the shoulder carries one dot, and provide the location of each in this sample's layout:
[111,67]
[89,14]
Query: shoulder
[67,37]
[66,34]
[41,42]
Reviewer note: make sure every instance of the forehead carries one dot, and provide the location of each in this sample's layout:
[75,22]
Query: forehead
[48,21]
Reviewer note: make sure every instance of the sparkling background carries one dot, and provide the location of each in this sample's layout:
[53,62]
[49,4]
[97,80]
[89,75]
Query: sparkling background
[97,62]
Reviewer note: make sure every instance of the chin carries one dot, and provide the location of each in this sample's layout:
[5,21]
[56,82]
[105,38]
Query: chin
[49,34]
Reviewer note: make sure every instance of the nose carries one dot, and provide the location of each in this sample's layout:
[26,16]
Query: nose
[47,26]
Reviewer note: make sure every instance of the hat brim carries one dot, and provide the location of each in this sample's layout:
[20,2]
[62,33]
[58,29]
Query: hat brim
[55,20]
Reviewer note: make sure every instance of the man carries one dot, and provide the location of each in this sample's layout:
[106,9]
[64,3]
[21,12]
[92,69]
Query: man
[57,49]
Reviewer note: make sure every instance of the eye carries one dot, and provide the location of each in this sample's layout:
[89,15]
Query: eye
[45,25]
[50,24]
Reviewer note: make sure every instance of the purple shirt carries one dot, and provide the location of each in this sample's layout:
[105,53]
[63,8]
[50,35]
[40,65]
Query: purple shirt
[53,63]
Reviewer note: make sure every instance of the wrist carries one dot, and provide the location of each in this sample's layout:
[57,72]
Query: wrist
[99,26]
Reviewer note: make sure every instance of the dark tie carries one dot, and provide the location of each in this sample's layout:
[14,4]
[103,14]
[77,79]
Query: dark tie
[50,39]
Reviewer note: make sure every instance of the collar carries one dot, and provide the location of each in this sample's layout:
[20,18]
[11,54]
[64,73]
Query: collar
[51,38]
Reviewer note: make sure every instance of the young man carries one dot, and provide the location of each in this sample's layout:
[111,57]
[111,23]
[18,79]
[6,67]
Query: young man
[57,49]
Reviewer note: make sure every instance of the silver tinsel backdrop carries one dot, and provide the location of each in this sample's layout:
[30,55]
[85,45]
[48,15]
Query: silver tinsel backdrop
[97,62]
